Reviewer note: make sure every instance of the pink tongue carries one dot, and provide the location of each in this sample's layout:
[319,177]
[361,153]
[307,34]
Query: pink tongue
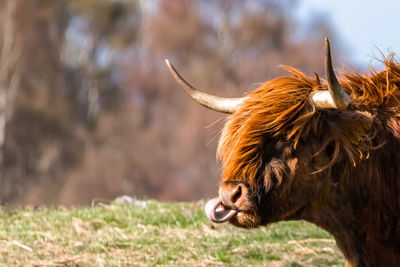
[218,216]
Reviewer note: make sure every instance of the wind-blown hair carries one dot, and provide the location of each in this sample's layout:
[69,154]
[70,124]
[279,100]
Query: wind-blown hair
[280,110]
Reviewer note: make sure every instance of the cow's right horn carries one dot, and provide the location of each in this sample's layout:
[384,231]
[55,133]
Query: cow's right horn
[336,97]
[220,104]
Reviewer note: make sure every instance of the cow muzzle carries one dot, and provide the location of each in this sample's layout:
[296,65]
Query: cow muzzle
[227,205]
[217,212]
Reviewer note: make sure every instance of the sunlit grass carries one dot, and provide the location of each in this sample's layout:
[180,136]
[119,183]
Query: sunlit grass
[166,234]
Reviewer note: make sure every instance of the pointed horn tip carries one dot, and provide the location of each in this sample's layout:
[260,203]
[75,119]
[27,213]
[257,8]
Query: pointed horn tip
[327,46]
[170,66]
[327,43]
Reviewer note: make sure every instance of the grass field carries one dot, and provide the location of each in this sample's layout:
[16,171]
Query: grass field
[150,233]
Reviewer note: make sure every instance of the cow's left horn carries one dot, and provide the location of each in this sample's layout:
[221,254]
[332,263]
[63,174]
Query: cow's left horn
[335,97]
[220,104]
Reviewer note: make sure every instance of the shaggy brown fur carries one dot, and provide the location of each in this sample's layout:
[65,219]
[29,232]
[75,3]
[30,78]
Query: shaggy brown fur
[281,108]
[362,142]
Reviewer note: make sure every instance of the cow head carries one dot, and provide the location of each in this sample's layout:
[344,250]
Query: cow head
[279,144]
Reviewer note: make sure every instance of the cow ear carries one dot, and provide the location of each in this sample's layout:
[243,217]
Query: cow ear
[355,125]
[351,134]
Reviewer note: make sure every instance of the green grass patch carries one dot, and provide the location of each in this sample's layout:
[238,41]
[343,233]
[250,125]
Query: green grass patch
[159,234]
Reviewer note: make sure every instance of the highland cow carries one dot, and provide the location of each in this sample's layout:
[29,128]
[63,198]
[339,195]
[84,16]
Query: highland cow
[325,152]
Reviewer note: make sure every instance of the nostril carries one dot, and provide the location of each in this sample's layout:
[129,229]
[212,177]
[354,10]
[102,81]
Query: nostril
[236,194]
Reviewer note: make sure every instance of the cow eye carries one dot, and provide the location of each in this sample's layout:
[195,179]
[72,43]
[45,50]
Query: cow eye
[236,182]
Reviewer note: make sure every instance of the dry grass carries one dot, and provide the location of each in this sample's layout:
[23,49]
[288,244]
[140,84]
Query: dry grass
[153,233]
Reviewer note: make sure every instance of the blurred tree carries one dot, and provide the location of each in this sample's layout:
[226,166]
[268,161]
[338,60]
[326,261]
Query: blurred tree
[61,94]
[10,50]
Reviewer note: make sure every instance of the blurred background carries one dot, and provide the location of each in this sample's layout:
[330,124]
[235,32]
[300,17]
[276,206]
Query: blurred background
[88,109]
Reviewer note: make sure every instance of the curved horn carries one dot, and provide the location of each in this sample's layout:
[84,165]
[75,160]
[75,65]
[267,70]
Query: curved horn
[335,97]
[220,104]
